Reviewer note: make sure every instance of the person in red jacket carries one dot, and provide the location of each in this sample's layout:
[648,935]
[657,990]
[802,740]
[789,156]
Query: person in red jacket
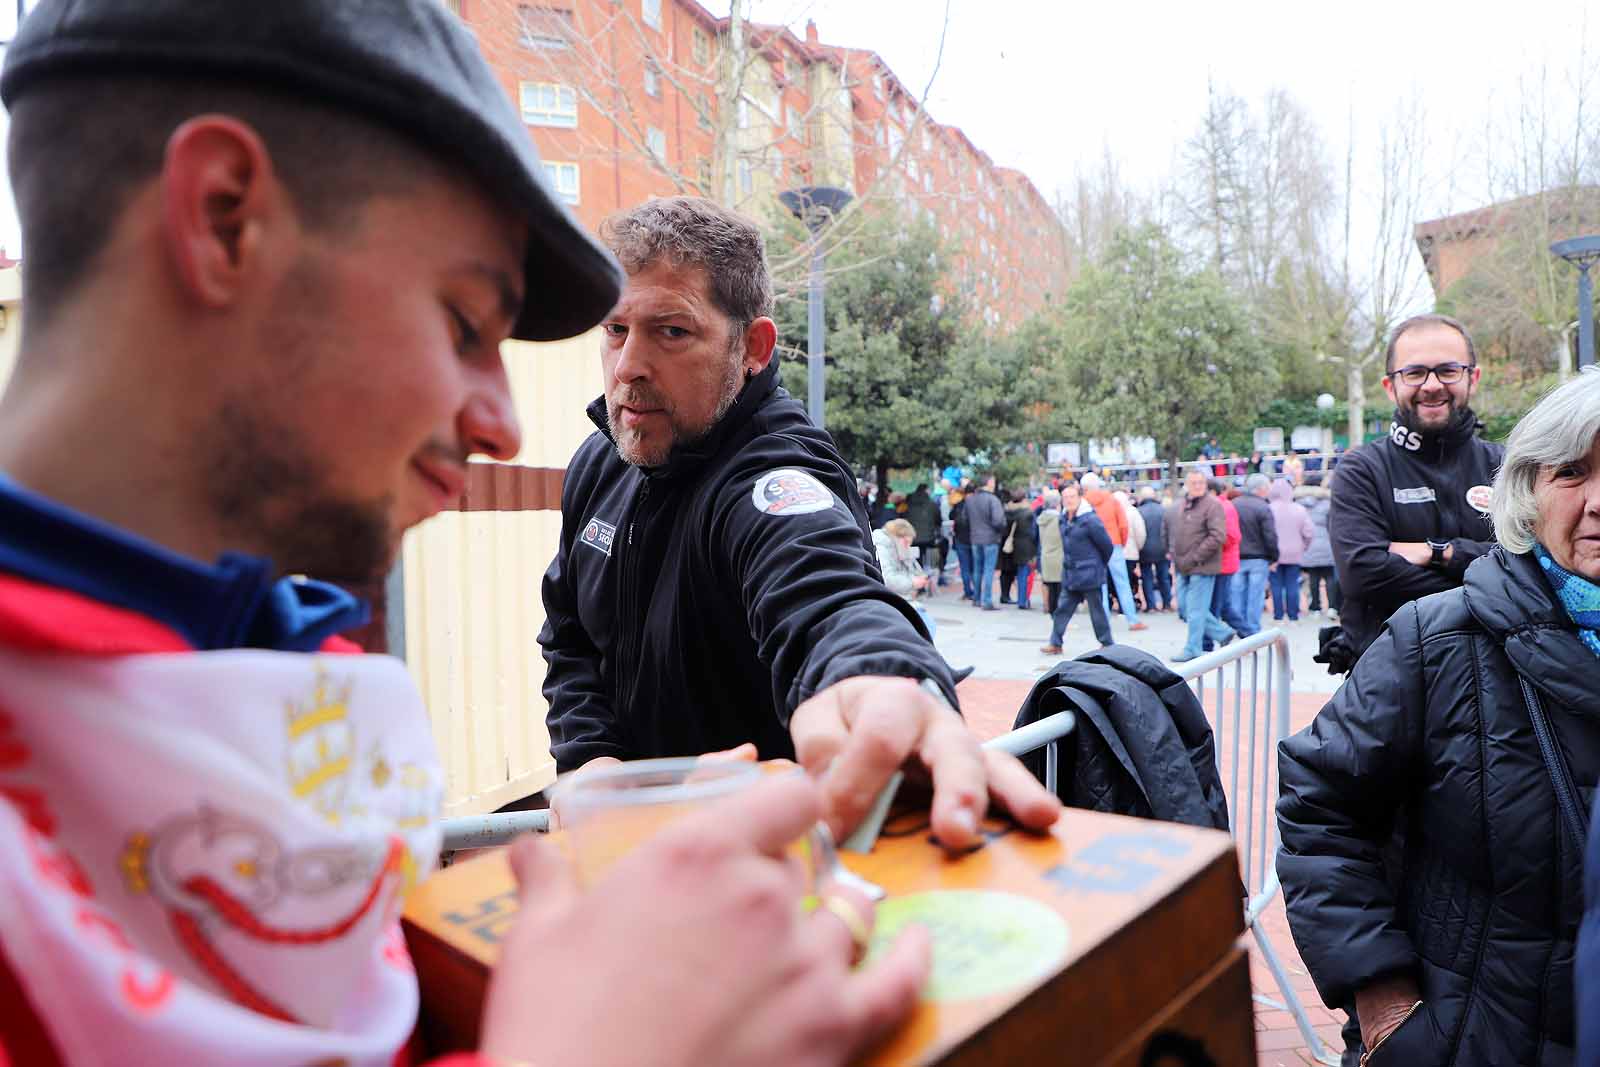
[1222,599]
[273,250]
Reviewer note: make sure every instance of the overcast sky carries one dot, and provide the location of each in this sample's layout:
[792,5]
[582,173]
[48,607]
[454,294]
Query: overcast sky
[1047,86]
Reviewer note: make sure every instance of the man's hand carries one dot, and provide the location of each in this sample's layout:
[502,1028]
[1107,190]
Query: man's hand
[1417,552]
[1382,1005]
[856,733]
[696,941]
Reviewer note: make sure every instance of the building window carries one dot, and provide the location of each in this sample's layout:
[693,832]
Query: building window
[704,173]
[912,169]
[793,122]
[927,181]
[545,104]
[747,184]
[702,46]
[877,85]
[702,116]
[656,141]
[652,13]
[545,28]
[652,80]
[564,179]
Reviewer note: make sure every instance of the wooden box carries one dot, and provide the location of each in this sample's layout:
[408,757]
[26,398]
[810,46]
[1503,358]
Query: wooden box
[1076,946]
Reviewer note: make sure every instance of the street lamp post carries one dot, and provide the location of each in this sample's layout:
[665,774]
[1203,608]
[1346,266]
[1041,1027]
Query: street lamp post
[1583,253]
[815,205]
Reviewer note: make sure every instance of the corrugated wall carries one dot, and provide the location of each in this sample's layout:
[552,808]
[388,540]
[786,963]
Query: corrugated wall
[472,605]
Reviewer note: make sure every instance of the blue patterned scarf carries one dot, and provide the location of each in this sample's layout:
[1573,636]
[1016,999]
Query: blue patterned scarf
[1578,595]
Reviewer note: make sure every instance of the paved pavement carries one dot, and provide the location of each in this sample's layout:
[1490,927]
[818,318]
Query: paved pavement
[1005,643]
[1003,646]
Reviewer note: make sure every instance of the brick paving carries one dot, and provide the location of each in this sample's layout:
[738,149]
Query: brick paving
[990,705]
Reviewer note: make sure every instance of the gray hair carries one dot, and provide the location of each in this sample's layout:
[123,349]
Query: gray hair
[1256,482]
[1091,480]
[1052,499]
[690,231]
[1561,428]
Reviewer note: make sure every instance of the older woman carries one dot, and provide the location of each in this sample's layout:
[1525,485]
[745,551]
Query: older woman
[1431,814]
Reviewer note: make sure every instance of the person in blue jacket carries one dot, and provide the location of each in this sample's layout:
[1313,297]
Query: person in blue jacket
[1085,548]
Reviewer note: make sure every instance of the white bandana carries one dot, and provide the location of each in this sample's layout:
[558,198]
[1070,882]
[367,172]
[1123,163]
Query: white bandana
[202,854]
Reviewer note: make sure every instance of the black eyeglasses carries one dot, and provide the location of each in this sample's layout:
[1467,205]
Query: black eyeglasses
[1416,374]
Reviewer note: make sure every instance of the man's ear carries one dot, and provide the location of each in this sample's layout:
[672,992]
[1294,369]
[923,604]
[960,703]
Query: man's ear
[760,338]
[218,193]
[1388,387]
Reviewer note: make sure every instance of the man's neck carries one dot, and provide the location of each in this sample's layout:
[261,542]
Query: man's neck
[110,450]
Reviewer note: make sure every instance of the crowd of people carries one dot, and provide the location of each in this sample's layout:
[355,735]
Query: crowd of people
[1272,551]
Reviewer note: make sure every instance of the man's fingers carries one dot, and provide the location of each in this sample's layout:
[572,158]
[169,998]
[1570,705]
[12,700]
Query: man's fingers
[819,731]
[1015,789]
[960,785]
[879,998]
[745,753]
[769,816]
[545,884]
[885,717]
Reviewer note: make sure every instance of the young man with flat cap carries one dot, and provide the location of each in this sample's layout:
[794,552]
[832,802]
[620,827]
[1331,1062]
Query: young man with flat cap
[272,253]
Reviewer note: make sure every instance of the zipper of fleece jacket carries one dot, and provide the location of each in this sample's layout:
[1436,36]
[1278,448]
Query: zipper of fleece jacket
[629,617]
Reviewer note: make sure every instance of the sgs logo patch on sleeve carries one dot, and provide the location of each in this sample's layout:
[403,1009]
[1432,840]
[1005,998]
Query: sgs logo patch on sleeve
[790,492]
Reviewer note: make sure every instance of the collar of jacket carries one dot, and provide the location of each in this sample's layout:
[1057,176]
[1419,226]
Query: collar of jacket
[688,459]
[1511,599]
[1433,442]
[1084,508]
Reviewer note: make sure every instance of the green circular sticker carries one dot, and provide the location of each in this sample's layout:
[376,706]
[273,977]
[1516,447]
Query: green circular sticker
[984,942]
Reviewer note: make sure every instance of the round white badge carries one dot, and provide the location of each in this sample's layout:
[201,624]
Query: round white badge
[790,492]
[1479,496]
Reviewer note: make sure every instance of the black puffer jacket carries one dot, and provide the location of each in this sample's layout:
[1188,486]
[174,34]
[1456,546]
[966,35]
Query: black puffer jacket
[1432,722]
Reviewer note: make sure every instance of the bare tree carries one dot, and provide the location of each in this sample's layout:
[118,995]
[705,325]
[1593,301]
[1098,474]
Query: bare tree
[1385,280]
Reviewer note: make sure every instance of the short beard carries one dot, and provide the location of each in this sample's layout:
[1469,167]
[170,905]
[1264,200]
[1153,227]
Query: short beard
[269,496]
[1407,416]
[728,391]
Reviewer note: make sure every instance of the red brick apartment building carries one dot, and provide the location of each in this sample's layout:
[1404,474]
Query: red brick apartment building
[632,98]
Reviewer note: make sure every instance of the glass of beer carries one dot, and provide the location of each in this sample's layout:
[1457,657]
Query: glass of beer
[605,812]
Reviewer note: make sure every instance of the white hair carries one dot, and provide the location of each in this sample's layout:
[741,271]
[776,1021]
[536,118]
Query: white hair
[1561,428]
[1091,480]
[1052,499]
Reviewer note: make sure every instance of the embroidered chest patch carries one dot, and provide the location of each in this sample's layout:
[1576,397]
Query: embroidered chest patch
[599,535]
[1422,494]
[790,492]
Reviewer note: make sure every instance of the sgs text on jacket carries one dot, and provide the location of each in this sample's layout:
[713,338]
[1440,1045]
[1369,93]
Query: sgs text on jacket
[1409,486]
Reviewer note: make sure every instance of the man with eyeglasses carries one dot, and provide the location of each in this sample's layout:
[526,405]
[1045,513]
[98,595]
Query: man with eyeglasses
[1411,511]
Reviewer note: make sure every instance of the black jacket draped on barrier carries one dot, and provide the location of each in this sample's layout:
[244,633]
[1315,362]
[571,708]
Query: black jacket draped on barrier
[1432,722]
[1142,745]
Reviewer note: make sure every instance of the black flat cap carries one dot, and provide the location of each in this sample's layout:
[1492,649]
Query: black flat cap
[406,63]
